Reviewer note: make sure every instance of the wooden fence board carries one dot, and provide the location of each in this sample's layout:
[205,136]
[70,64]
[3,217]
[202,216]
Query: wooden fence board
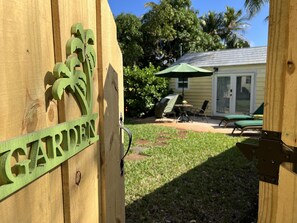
[273,109]
[41,201]
[289,128]
[110,89]
[33,39]
[287,196]
[280,108]
[287,188]
[26,63]
[80,200]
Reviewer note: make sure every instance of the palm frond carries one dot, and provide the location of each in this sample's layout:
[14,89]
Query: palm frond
[91,55]
[254,6]
[89,35]
[75,45]
[78,31]
[61,70]
[150,4]
[82,86]
[59,86]
[72,62]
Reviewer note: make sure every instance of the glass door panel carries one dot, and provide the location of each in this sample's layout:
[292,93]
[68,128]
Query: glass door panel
[223,95]
[243,94]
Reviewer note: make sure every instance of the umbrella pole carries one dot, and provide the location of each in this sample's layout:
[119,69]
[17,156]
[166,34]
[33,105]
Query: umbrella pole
[183,91]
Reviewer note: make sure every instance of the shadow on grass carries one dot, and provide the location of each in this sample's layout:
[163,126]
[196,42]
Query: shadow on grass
[210,192]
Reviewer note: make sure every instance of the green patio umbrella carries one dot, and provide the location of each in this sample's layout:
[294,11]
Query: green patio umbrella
[183,70]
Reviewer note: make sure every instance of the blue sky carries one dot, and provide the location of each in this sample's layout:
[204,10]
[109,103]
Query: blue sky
[256,34]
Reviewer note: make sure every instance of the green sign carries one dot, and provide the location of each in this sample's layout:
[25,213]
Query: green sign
[24,159]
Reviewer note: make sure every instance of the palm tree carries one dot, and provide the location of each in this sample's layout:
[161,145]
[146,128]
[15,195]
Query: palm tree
[229,26]
[79,82]
[235,25]
[254,6]
[212,23]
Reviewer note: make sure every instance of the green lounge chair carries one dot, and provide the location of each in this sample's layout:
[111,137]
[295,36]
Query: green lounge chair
[247,125]
[233,118]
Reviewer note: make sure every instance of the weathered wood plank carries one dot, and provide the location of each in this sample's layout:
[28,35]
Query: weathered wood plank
[26,62]
[111,105]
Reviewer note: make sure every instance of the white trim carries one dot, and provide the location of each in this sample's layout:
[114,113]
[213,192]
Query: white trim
[176,85]
[233,75]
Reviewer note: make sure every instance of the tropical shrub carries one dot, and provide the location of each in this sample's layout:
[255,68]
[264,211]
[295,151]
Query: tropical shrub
[142,89]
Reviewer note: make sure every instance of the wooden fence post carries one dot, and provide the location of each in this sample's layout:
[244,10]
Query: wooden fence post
[280,108]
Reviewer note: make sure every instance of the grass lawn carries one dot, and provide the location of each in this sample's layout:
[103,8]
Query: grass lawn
[186,176]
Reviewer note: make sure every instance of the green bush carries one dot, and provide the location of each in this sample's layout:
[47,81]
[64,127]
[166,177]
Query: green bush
[142,89]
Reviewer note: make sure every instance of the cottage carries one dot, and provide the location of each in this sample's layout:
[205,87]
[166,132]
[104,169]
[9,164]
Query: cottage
[237,85]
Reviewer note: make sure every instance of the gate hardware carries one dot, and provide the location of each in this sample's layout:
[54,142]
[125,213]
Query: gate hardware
[129,144]
[270,153]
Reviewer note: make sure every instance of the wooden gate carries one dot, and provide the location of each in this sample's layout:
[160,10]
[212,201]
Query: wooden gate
[277,154]
[277,203]
[33,34]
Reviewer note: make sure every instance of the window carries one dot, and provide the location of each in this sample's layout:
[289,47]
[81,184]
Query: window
[248,80]
[182,83]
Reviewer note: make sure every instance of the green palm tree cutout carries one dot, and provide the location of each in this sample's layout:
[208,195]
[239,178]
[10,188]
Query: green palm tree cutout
[80,51]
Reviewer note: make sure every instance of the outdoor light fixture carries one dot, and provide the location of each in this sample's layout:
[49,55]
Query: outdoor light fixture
[215,69]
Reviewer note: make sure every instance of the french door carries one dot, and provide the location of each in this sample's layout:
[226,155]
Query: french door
[233,93]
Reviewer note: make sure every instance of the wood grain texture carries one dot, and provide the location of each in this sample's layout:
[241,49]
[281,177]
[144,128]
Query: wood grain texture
[267,202]
[26,62]
[80,196]
[280,107]
[276,65]
[286,211]
[287,197]
[274,99]
[289,127]
[111,105]
[33,39]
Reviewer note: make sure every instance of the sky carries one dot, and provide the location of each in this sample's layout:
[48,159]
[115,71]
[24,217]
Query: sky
[256,33]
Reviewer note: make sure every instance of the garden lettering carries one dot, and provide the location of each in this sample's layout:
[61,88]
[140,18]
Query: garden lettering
[26,158]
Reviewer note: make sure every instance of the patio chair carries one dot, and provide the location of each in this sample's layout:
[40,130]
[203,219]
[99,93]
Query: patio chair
[247,125]
[201,111]
[258,114]
[165,107]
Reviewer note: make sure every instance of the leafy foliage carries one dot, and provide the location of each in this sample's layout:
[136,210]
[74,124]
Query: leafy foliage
[228,26]
[172,28]
[130,38]
[142,89]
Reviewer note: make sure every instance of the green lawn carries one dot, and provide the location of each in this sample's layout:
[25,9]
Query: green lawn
[187,176]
